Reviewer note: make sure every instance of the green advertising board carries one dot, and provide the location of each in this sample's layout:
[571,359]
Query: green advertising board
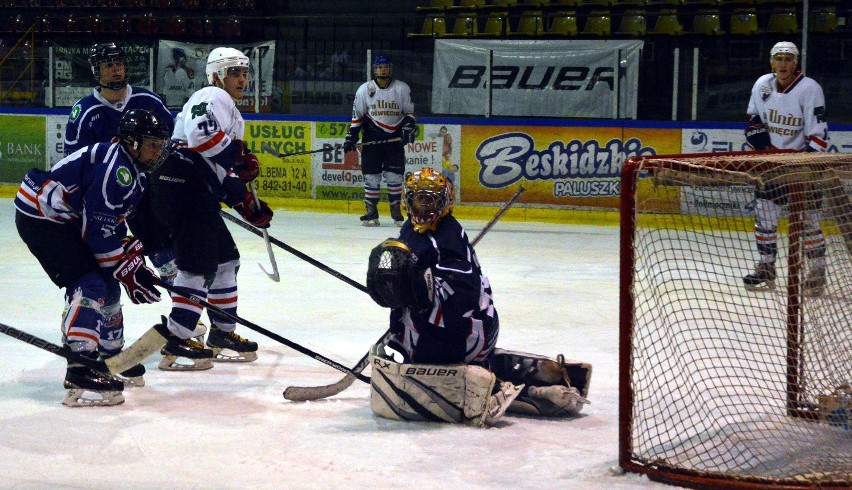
[21,146]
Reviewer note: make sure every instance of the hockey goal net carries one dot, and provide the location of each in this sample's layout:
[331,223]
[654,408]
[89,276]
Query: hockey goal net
[720,386]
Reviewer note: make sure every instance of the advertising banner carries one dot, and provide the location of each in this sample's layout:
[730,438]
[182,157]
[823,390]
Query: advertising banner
[544,78]
[22,146]
[72,73]
[281,177]
[181,70]
[573,166]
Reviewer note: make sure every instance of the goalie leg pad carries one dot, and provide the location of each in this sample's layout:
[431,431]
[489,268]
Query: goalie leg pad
[454,393]
[536,370]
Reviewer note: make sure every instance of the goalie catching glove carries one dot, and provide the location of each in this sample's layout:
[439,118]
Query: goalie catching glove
[138,280]
[757,135]
[395,281]
[256,213]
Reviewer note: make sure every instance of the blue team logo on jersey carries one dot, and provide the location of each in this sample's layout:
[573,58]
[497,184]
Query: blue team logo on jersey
[124,177]
[75,112]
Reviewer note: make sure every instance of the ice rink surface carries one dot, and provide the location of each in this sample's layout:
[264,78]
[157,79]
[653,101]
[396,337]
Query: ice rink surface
[555,287]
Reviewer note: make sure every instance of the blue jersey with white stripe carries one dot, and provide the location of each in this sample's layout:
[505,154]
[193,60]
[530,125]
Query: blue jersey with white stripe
[94,119]
[95,188]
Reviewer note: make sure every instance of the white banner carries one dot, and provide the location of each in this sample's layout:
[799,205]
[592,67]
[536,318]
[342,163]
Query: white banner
[181,71]
[536,78]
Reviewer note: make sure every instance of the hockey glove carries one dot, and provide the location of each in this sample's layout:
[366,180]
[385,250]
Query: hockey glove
[246,166]
[409,130]
[349,144]
[757,136]
[138,280]
[256,213]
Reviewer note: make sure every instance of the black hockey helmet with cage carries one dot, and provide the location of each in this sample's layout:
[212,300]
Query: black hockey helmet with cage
[107,53]
[138,126]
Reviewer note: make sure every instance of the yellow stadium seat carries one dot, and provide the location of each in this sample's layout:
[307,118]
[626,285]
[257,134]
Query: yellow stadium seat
[668,23]
[436,5]
[531,23]
[468,4]
[744,21]
[598,23]
[707,22]
[465,25]
[504,3]
[824,20]
[497,24]
[434,25]
[633,23]
[564,23]
[783,21]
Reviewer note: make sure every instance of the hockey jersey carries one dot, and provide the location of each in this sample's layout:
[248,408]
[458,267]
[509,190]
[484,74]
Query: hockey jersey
[379,111]
[94,188]
[94,119]
[795,117]
[207,126]
[462,325]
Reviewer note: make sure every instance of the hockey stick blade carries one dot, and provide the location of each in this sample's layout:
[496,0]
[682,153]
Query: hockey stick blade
[274,276]
[149,343]
[308,393]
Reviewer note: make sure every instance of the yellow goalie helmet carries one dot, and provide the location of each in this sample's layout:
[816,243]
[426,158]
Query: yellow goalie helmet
[429,196]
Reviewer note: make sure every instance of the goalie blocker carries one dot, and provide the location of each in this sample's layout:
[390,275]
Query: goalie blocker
[521,383]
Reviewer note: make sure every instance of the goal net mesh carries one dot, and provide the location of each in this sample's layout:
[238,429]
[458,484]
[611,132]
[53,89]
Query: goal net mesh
[725,383]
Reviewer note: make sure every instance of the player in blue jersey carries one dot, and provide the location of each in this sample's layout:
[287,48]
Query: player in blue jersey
[441,362]
[72,220]
[94,119]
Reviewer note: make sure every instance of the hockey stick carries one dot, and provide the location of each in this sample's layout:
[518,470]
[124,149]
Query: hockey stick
[151,341]
[308,393]
[268,149]
[306,258]
[274,276]
[257,328]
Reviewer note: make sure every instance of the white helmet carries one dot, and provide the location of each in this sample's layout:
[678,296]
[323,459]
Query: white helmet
[784,47]
[221,59]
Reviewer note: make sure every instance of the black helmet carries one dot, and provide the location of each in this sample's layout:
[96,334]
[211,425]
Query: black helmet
[138,124]
[107,53]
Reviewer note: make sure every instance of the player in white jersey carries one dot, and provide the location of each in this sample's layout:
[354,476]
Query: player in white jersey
[212,165]
[787,111]
[382,111]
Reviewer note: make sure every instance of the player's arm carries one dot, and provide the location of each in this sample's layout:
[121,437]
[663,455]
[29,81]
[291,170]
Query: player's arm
[816,123]
[359,112]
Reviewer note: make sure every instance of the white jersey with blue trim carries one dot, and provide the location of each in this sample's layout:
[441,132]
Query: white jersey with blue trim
[94,119]
[384,108]
[795,117]
[94,188]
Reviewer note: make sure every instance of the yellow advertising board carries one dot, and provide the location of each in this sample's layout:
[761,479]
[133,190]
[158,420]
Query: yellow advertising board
[564,166]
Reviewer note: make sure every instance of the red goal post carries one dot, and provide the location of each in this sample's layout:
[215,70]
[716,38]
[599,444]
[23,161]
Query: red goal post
[722,387]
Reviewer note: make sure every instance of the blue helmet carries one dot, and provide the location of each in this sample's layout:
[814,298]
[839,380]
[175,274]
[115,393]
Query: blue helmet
[379,64]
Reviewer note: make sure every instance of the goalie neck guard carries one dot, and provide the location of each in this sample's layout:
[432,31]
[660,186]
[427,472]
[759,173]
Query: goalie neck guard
[429,196]
[107,53]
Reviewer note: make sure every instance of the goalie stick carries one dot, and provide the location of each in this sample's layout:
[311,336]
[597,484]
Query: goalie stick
[309,393]
[257,328]
[150,342]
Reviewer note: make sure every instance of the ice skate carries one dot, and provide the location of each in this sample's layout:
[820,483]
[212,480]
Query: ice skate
[230,347]
[550,401]
[396,214]
[815,283]
[89,388]
[130,377]
[371,217]
[762,278]
[503,395]
[185,355]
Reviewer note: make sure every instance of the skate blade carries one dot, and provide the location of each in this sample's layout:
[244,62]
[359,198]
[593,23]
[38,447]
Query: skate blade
[228,355]
[78,397]
[135,381]
[370,222]
[766,286]
[174,363]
